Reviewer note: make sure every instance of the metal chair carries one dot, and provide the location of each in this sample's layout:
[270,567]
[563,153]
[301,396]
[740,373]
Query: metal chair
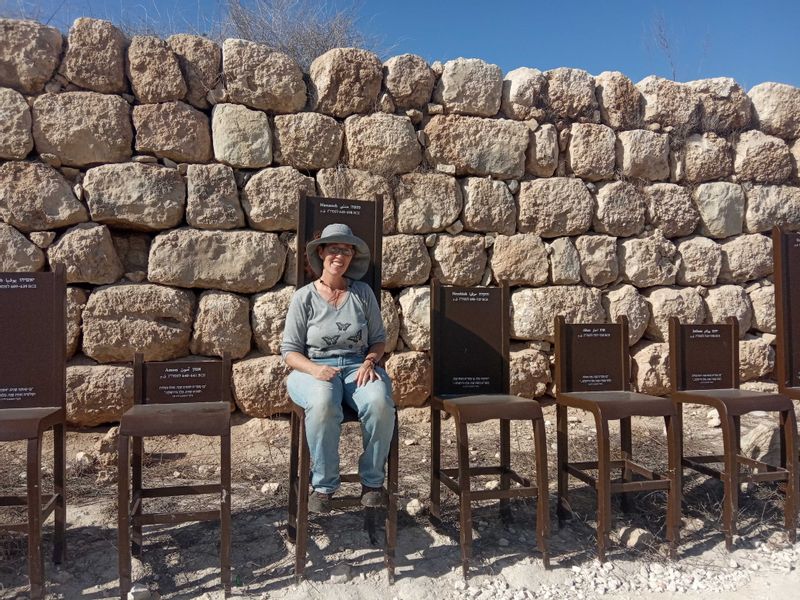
[593,374]
[33,400]
[366,221]
[704,360]
[469,350]
[190,397]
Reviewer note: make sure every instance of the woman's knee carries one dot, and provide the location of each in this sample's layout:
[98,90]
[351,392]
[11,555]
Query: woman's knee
[320,399]
[375,401]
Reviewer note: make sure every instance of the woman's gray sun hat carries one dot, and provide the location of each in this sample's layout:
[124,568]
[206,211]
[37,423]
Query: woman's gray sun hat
[338,233]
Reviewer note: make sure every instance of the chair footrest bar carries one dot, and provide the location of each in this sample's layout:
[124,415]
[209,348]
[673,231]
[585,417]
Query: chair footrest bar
[696,463]
[517,492]
[578,474]
[23,500]
[640,486]
[764,477]
[19,527]
[181,490]
[171,519]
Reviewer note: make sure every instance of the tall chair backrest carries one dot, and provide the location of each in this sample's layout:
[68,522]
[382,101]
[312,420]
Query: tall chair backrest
[786,257]
[469,340]
[180,381]
[704,357]
[592,357]
[32,339]
[365,218]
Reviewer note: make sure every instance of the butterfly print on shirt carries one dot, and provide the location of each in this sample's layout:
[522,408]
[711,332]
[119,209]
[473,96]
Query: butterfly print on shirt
[343,326]
[356,337]
[330,339]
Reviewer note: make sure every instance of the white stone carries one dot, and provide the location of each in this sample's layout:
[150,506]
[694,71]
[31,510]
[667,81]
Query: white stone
[721,208]
[242,137]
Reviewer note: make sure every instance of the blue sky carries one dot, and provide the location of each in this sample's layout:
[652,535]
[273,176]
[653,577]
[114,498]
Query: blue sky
[751,41]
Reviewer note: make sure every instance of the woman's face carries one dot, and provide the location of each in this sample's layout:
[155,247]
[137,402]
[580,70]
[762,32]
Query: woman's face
[336,257]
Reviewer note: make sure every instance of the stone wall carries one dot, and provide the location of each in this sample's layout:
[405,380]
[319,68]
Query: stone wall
[164,175]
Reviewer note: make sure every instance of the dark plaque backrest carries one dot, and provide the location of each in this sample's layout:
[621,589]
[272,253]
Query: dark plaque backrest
[704,357]
[592,357]
[469,340]
[364,218]
[786,254]
[32,339]
[179,381]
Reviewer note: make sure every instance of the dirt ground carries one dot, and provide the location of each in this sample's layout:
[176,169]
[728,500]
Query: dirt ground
[182,561]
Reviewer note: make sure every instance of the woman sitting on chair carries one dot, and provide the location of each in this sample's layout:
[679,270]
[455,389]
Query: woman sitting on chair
[333,341]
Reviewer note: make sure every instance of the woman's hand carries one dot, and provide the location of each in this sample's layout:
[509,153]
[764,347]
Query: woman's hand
[325,372]
[366,373]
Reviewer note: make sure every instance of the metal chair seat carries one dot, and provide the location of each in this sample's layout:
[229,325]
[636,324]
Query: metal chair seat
[27,423]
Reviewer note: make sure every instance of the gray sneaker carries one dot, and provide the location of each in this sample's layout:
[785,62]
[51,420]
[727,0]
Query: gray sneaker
[319,502]
[372,497]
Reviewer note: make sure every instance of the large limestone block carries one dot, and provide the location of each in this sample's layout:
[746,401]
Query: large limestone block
[88,255]
[777,109]
[409,80]
[120,320]
[565,263]
[724,104]
[470,86]
[476,146]
[488,206]
[235,261]
[212,198]
[620,209]
[82,128]
[345,81]
[756,358]
[592,151]
[359,185]
[241,137]
[763,301]
[76,302]
[382,144]
[458,259]
[97,394]
[222,325]
[625,300]
[707,157]
[172,130]
[620,103]
[259,386]
[725,301]
[701,261]
[95,56]
[415,317]
[411,374]
[16,139]
[405,261]
[520,259]
[19,255]
[554,207]
[200,61]
[721,208]
[762,158]
[745,257]
[271,196]
[259,77]
[269,317]
[391,321]
[570,94]
[542,156]
[671,209]
[648,260]
[598,255]
[426,202]
[524,94]
[529,372]
[651,368]
[771,205]
[29,54]
[533,310]
[308,141]
[35,197]
[643,154]
[666,302]
[135,196]
[154,70]
[670,103]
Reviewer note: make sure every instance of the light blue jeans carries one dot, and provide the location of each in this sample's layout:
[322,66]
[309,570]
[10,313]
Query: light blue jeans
[322,403]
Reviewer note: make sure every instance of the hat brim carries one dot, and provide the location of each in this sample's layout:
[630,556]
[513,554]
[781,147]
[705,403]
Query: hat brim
[359,264]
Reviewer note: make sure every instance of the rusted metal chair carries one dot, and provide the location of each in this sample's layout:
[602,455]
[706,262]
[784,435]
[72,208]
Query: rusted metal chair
[189,397]
[593,374]
[469,350]
[365,219]
[33,400]
[704,360]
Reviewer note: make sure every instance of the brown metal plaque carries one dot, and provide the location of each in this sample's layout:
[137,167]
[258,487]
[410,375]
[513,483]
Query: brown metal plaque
[31,340]
[469,342]
[706,357]
[183,381]
[791,308]
[592,358]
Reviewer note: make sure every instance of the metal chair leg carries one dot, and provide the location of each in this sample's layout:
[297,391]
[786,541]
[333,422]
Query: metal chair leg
[789,430]
[436,463]
[391,505]
[465,497]
[294,449]
[675,492]
[626,446]
[34,499]
[300,547]
[603,487]
[505,465]
[123,520]
[730,481]
[59,467]
[225,513]
[543,494]
[562,445]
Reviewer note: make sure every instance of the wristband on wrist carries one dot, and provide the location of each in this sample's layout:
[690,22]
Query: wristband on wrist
[370,359]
